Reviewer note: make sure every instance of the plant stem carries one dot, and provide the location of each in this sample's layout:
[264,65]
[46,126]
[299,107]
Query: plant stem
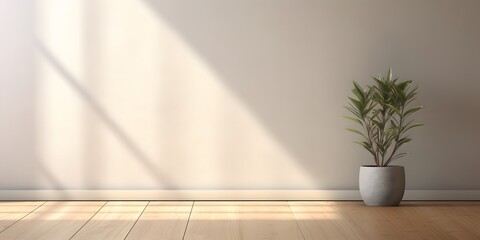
[369,128]
[397,138]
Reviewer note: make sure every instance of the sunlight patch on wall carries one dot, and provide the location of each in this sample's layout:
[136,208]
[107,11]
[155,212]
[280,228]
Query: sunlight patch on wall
[60,112]
[123,100]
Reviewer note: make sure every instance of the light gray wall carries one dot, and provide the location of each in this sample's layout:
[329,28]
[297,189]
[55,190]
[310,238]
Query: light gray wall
[169,94]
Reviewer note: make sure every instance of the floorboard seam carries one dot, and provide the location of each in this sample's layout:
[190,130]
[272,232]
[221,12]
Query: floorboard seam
[188,221]
[135,223]
[88,220]
[23,217]
[296,221]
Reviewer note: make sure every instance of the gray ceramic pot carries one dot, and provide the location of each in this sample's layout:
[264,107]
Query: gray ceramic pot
[382,186]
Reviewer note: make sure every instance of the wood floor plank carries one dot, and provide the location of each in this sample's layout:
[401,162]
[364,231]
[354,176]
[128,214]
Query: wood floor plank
[443,217]
[10,212]
[113,221]
[412,220]
[321,220]
[162,221]
[369,221]
[239,220]
[53,220]
[468,216]
[242,220]
[407,221]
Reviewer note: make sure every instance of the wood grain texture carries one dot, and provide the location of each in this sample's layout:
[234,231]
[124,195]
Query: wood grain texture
[411,220]
[242,220]
[162,221]
[321,220]
[53,220]
[453,220]
[10,212]
[113,221]
[309,220]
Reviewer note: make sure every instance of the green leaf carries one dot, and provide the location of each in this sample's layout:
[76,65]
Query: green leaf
[413,126]
[412,110]
[383,110]
[354,119]
[355,112]
[355,131]
[358,90]
[404,140]
[393,108]
[357,104]
[399,155]
[405,126]
[412,92]
[375,113]
[367,146]
[393,123]
[379,124]
[404,85]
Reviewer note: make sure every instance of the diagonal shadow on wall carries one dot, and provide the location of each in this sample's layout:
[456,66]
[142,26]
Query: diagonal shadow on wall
[263,57]
[109,122]
[286,61]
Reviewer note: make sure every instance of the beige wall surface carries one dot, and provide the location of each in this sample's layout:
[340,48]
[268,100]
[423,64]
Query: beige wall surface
[214,94]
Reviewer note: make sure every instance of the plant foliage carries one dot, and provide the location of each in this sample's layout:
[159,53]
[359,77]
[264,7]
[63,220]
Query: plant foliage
[383,115]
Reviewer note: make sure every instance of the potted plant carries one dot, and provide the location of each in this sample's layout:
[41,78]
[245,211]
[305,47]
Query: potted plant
[383,114]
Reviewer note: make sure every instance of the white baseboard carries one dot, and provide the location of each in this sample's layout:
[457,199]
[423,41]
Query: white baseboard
[225,195]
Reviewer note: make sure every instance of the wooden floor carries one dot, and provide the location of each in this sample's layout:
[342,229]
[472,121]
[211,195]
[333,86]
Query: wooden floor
[237,220]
